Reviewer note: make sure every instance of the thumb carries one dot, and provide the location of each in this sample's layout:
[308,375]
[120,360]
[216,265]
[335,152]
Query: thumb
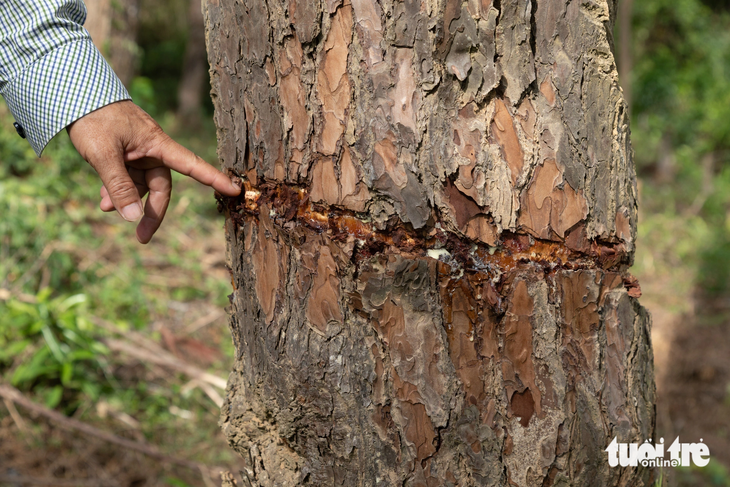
[121,188]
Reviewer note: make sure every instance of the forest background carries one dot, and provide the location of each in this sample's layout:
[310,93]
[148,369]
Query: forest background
[120,336]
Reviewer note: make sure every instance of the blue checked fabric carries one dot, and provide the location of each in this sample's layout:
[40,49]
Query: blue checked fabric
[51,74]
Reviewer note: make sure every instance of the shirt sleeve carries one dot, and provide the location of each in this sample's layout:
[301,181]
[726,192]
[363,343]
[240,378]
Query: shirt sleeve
[51,74]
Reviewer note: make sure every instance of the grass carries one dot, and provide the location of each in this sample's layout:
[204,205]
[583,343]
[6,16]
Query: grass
[714,474]
[64,263]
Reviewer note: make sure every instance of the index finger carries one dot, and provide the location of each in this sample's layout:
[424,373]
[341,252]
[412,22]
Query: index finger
[184,161]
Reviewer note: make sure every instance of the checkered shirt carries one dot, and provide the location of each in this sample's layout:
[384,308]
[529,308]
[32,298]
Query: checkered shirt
[51,74]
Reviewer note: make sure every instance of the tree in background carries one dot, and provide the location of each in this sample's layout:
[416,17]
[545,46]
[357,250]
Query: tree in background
[681,116]
[158,49]
[190,90]
[113,27]
[431,259]
[99,21]
[681,82]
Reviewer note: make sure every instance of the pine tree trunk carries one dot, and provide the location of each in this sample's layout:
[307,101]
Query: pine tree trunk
[430,262]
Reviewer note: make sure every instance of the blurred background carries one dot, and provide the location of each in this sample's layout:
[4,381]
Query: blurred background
[674,67]
[131,341]
[107,332]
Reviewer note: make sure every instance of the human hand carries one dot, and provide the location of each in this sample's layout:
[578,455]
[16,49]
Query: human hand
[133,156]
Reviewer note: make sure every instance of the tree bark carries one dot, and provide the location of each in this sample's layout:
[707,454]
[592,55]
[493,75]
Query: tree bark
[430,260]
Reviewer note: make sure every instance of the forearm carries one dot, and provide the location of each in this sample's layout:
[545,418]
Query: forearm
[51,74]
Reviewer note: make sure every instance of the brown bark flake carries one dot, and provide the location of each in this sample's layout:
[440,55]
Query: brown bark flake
[404,94]
[344,189]
[304,15]
[518,369]
[325,186]
[333,84]
[369,29]
[354,193]
[292,93]
[468,142]
[386,165]
[460,330]
[503,130]
[615,390]
[580,293]
[550,206]
[323,305]
[418,429]
[266,265]
[547,90]
[482,229]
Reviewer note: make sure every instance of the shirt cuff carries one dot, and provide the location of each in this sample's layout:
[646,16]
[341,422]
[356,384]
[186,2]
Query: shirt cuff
[59,88]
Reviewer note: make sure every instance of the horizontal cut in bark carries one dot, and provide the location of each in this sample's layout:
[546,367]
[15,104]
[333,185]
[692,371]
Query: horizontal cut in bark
[286,204]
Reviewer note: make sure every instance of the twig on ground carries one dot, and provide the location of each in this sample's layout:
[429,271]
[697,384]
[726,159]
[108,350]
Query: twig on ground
[207,388]
[23,480]
[17,285]
[12,394]
[184,239]
[17,418]
[149,351]
[165,281]
[93,256]
[203,321]
[6,294]
[166,360]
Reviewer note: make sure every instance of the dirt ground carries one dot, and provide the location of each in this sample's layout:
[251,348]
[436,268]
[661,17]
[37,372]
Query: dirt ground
[692,359]
[35,451]
[55,457]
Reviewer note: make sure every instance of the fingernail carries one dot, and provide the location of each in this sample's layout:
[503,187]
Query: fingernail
[237,186]
[132,212]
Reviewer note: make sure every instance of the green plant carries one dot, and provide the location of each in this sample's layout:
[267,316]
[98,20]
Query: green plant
[660,480]
[63,263]
[714,474]
[50,346]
